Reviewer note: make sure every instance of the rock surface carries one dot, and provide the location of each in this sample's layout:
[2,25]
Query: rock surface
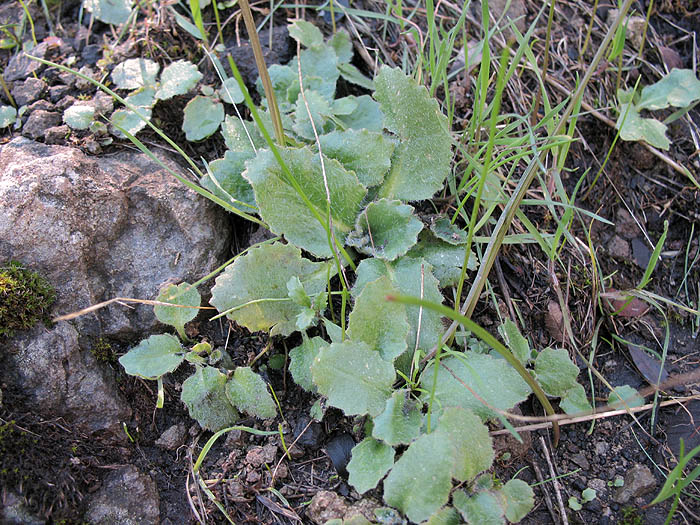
[638,481]
[119,226]
[127,497]
[326,505]
[173,437]
[58,380]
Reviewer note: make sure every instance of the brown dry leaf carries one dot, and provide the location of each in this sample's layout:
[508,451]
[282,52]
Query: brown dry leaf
[623,305]
[554,321]
[670,57]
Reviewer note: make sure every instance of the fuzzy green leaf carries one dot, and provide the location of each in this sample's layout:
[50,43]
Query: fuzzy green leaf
[230,92]
[371,460]
[8,115]
[285,84]
[135,73]
[342,45]
[401,420]
[225,180]
[412,277]
[444,230]
[79,116]
[627,394]
[202,118]
[248,393]
[319,71]
[483,508]
[519,499]
[353,377]
[386,229]
[633,127]
[320,110]
[367,115]
[236,135]
[353,75]
[575,401]
[377,322]
[153,357]
[176,294]
[470,439]
[555,371]
[445,516]
[305,33]
[493,380]
[256,285]
[283,208]
[680,88]
[420,482]
[204,393]
[300,360]
[367,153]
[422,159]
[177,79]
[128,121]
[109,11]
[515,341]
[446,259]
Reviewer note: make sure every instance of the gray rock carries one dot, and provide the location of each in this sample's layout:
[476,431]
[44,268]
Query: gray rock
[58,380]
[127,497]
[326,505]
[57,134]
[14,511]
[118,226]
[39,121]
[173,437]
[56,93]
[28,91]
[580,459]
[42,104]
[21,66]
[618,247]
[638,482]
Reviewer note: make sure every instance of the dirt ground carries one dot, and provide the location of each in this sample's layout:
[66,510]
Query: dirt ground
[56,469]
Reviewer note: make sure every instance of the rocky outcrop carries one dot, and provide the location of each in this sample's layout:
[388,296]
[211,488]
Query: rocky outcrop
[118,226]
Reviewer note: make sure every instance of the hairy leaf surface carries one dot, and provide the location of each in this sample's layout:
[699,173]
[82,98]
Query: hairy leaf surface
[153,357]
[284,209]
[492,379]
[256,286]
[379,323]
[420,482]
[204,393]
[371,460]
[421,161]
[248,393]
[401,420]
[386,229]
[353,377]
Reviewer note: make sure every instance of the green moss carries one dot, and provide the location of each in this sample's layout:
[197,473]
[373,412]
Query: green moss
[102,351]
[25,298]
[630,516]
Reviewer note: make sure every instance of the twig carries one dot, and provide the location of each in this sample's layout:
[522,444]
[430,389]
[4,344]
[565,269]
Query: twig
[545,492]
[555,482]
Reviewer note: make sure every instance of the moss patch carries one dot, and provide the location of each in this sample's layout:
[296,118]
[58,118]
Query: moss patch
[25,298]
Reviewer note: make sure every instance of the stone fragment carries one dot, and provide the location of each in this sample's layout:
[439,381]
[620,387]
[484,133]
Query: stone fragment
[28,91]
[173,437]
[39,121]
[326,505]
[127,497]
[57,134]
[638,481]
[21,66]
[58,380]
[56,93]
[618,248]
[580,460]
